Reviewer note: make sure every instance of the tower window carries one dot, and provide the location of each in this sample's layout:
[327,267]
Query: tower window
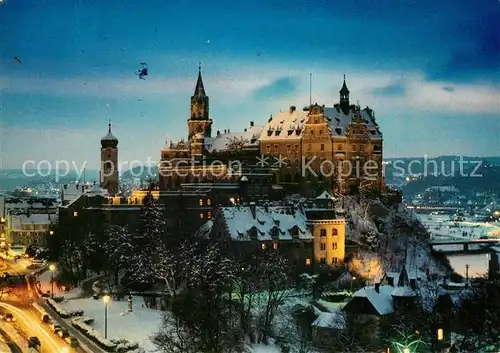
[334,231]
[323,246]
[334,246]
[263,246]
[209,203]
[308,261]
[275,246]
[322,146]
[201,202]
[322,232]
[334,260]
[75,214]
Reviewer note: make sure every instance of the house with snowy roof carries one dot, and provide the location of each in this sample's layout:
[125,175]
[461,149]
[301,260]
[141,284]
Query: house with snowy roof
[384,300]
[308,236]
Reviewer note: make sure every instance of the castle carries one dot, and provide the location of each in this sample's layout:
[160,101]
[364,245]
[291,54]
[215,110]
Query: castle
[339,146]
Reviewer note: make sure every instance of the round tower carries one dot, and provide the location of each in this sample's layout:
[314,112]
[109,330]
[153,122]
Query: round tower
[108,176]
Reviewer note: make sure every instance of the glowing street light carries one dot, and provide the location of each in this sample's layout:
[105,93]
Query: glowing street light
[440,334]
[51,232]
[52,269]
[106,300]
[406,350]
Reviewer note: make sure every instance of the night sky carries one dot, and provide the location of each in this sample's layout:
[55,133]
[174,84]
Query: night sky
[429,69]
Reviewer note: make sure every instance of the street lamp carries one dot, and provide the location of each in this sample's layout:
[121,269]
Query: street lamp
[51,232]
[406,350]
[440,334]
[52,269]
[106,300]
[352,281]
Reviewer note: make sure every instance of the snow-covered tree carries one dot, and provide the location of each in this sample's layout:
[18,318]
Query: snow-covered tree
[118,249]
[148,243]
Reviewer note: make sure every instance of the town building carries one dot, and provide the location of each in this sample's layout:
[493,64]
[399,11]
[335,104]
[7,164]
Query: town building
[311,237]
[108,176]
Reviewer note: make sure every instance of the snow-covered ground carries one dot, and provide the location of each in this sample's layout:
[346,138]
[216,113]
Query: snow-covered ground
[137,326]
[45,280]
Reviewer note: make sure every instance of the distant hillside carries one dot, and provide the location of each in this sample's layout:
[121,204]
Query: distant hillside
[10,179]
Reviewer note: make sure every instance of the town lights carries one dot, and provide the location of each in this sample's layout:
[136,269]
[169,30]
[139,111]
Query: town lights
[52,269]
[440,334]
[106,300]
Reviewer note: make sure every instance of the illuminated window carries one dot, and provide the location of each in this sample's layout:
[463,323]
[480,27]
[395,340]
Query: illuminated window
[334,231]
[209,216]
[322,232]
[201,215]
[201,202]
[440,334]
[209,203]
[276,148]
[323,246]
[308,261]
[75,214]
[334,246]
[263,246]
[275,246]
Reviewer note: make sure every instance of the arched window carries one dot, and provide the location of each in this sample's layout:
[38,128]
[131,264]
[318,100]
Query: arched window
[322,232]
[334,231]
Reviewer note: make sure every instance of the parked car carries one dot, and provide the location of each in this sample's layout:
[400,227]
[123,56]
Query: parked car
[55,327]
[72,341]
[63,333]
[34,342]
[9,317]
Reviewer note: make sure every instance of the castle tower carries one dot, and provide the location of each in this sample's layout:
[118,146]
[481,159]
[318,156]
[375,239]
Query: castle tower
[199,122]
[108,175]
[344,97]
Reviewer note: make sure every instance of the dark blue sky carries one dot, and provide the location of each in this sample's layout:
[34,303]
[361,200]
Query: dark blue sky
[430,70]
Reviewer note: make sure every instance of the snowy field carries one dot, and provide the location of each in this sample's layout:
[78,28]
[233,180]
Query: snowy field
[136,326]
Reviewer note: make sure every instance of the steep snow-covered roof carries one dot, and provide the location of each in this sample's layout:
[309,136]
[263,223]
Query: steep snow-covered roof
[381,301]
[334,320]
[290,124]
[403,292]
[221,142]
[241,223]
[325,195]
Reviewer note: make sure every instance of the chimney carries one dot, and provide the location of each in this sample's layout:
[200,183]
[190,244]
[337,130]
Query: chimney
[245,129]
[377,287]
[253,209]
[413,283]
[251,124]
[228,131]
[390,280]
[292,109]
[218,132]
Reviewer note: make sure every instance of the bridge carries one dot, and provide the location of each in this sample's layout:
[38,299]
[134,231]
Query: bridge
[448,209]
[463,241]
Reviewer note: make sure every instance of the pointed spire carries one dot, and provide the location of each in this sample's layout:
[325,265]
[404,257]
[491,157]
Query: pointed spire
[344,90]
[199,90]
[109,127]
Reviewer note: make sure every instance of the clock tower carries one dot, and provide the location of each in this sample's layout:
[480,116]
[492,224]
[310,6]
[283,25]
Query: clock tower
[199,121]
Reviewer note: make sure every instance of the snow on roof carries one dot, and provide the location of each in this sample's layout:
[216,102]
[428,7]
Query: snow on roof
[241,223]
[290,124]
[382,301]
[248,138]
[17,221]
[205,229]
[442,188]
[403,292]
[335,320]
[325,196]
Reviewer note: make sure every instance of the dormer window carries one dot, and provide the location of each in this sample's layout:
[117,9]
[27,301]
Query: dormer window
[290,132]
[277,133]
[298,131]
[269,132]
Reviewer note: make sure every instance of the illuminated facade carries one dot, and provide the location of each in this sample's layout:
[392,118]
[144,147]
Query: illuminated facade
[339,146]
